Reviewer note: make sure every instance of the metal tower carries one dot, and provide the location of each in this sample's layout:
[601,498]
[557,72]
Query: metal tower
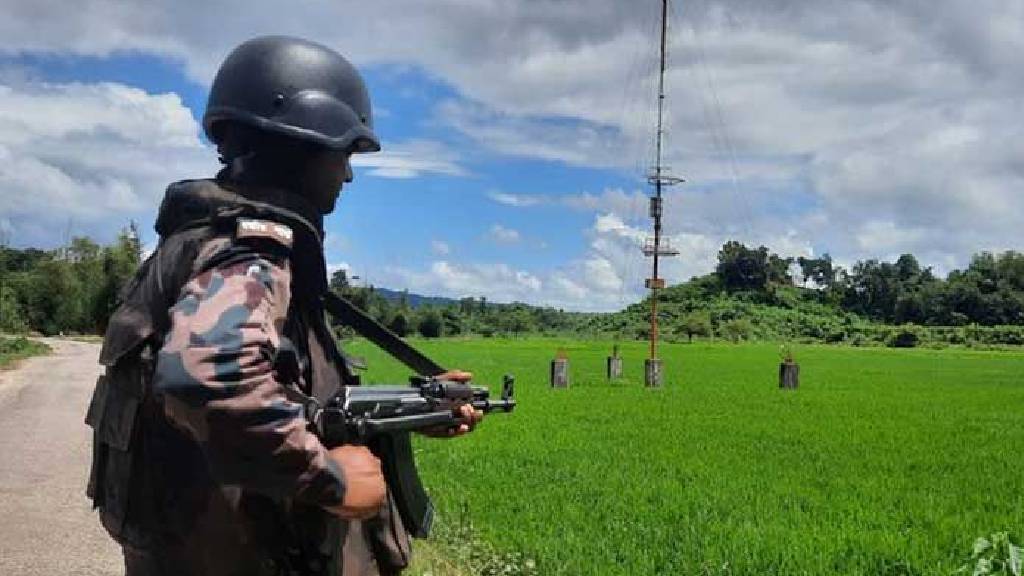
[658,247]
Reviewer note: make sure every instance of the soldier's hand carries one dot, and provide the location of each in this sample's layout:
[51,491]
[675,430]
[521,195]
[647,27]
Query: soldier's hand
[468,417]
[365,490]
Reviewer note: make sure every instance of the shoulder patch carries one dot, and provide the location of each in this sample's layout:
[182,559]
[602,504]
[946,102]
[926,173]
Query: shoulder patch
[252,228]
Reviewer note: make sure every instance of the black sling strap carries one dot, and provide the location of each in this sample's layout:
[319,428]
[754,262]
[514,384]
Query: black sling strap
[365,325]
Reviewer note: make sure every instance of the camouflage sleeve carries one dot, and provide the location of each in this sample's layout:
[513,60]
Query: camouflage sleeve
[215,372]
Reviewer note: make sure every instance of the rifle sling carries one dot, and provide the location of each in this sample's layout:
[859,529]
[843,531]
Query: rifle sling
[366,326]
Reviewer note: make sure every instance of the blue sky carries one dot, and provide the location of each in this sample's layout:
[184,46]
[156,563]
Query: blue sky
[386,221]
[516,134]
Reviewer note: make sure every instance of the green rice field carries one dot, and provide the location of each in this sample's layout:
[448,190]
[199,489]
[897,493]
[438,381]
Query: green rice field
[883,462]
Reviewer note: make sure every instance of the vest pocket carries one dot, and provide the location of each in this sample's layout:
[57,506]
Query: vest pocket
[99,451]
[112,414]
[120,401]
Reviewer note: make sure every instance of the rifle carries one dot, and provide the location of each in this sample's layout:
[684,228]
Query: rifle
[383,417]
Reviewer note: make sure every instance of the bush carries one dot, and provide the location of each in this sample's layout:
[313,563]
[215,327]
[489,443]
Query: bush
[835,336]
[399,324]
[904,337]
[736,330]
[430,324]
[14,348]
[15,345]
[997,554]
[695,324]
[1013,335]
[12,320]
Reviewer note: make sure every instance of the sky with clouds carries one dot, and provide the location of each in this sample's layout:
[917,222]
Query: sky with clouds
[517,133]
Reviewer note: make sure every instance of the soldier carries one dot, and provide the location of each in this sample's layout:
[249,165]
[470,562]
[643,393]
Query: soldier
[204,462]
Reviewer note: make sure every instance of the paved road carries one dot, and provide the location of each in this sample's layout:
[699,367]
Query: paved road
[46,524]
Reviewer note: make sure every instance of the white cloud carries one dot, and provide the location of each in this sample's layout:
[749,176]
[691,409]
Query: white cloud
[440,248]
[814,123]
[577,143]
[608,276]
[333,267]
[89,157]
[6,231]
[410,159]
[615,200]
[516,200]
[504,235]
[499,282]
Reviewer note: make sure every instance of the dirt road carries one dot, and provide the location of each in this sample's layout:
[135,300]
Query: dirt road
[46,524]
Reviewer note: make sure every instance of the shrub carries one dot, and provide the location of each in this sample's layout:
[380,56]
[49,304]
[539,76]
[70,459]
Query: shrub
[14,348]
[695,324]
[430,324]
[15,345]
[399,324]
[736,330]
[835,336]
[903,337]
[996,554]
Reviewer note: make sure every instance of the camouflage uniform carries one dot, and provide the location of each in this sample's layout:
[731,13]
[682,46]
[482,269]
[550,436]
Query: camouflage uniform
[204,462]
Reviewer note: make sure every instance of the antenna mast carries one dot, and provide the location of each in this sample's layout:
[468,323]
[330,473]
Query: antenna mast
[657,247]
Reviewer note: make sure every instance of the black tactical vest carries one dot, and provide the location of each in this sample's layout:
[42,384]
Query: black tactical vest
[149,480]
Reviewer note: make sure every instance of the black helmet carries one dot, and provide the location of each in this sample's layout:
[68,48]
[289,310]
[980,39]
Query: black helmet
[296,88]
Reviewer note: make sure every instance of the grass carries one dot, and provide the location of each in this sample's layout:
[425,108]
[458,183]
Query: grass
[883,462]
[14,349]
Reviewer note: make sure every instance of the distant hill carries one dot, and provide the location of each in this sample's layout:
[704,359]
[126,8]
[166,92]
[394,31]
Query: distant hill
[414,300]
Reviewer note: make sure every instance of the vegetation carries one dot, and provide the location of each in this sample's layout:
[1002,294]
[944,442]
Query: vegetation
[13,349]
[885,461]
[69,290]
[436,317]
[753,294]
[995,555]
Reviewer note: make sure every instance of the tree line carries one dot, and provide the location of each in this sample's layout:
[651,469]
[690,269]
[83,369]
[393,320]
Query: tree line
[989,291]
[73,289]
[753,292]
[463,317]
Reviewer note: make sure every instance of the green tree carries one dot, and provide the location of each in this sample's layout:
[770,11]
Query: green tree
[451,321]
[737,329]
[696,324]
[819,270]
[742,268]
[339,283]
[778,269]
[12,321]
[467,306]
[430,324]
[119,264]
[399,324]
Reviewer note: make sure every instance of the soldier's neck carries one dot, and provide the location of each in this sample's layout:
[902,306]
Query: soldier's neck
[249,170]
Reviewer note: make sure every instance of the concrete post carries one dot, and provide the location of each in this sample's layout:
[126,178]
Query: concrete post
[614,367]
[560,373]
[652,372]
[789,375]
